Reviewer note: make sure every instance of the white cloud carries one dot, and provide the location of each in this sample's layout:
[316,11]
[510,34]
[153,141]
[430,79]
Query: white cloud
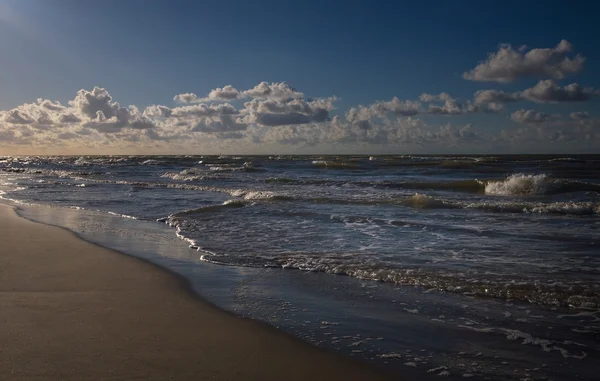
[549,92]
[273,112]
[450,107]
[273,91]
[202,109]
[396,107]
[509,64]
[530,116]
[186,98]
[91,103]
[222,124]
[494,96]
[158,111]
[225,93]
[494,107]
[94,120]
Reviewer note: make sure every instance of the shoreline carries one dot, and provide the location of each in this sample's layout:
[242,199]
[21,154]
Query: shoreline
[87,312]
[397,330]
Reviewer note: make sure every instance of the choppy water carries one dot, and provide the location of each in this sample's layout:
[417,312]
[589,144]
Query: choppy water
[513,227]
[511,243]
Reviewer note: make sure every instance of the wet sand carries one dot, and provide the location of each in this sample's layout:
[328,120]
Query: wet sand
[71,310]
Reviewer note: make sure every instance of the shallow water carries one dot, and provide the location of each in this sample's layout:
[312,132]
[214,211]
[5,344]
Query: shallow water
[482,238]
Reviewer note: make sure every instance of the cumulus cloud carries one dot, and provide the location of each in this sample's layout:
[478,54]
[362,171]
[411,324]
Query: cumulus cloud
[452,107]
[273,91]
[158,111]
[530,116]
[91,103]
[186,98]
[275,114]
[494,96]
[200,110]
[549,92]
[226,93]
[494,107]
[509,64]
[222,124]
[545,91]
[396,107]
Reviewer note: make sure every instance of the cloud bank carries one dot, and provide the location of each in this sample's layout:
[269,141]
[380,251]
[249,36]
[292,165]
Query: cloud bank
[277,117]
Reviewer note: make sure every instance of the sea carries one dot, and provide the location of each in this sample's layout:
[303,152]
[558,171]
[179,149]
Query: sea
[471,266]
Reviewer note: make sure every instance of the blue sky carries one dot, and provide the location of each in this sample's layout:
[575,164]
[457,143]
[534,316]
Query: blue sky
[146,52]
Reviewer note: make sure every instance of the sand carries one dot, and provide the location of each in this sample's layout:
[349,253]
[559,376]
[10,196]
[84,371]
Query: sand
[71,310]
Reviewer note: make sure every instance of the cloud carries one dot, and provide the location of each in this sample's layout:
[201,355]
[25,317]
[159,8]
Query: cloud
[90,113]
[494,107]
[17,117]
[273,91]
[91,103]
[202,109]
[530,116]
[450,107]
[226,93]
[277,114]
[186,98]
[508,64]
[279,91]
[545,91]
[579,115]
[222,124]
[494,96]
[396,107]
[549,92]
[158,111]
[273,112]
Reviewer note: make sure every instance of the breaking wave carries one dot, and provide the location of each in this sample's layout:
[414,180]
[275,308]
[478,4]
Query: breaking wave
[525,185]
[547,293]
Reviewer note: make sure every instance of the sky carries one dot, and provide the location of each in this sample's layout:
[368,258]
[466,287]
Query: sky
[277,77]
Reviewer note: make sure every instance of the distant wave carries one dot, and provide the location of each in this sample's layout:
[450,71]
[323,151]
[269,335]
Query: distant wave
[188,175]
[53,172]
[417,201]
[331,164]
[514,185]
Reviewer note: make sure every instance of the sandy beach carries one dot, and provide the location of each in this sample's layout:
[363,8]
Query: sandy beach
[71,310]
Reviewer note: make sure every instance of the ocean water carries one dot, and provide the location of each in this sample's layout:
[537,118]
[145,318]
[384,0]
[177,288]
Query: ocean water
[505,250]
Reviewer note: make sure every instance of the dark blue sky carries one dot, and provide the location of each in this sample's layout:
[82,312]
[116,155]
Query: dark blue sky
[146,51]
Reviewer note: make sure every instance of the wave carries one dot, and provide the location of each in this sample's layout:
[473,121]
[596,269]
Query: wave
[192,176]
[151,162]
[547,293]
[539,184]
[514,185]
[518,184]
[417,201]
[470,186]
[53,172]
[332,164]
[235,169]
